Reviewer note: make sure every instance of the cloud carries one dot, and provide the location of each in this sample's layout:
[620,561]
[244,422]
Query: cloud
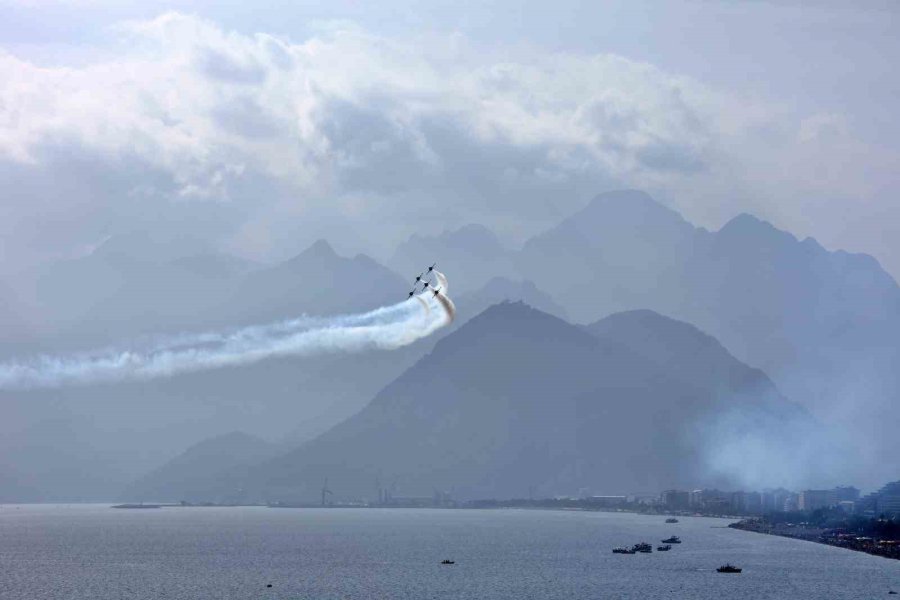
[370,136]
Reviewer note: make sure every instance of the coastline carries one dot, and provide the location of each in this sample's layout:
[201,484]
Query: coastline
[820,535]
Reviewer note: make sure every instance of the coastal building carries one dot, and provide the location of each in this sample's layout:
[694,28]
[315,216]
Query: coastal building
[695,499]
[888,499]
[711,501]
[676,499]
[816,499]
[775,500]
[607,501]
[792,502]
[753,502]
[846,493]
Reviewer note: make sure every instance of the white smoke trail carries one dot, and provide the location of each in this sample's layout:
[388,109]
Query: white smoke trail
[449,307]
[424,305]
[442,281]
[384,328]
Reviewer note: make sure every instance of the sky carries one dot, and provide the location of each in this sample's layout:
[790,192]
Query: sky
[262,127]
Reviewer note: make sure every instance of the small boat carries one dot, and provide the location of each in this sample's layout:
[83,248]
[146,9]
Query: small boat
[642,547]
[672,540]
[665,548]
[447,561]
[671,520]
[729,568]
[621,550]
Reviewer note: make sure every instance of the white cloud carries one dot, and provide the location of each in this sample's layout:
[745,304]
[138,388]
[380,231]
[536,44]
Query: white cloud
[347,129]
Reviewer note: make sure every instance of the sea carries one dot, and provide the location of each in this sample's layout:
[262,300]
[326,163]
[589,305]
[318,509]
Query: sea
[94,552]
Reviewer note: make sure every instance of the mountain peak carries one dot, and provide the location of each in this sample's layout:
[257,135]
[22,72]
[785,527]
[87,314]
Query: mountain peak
[628,202]
[321,248]
[744,225]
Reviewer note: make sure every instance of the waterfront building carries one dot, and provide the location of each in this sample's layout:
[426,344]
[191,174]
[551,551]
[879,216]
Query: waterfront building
[695,499]
[607,501]
[753,502]
[677,499]
[792,502]
[775,500]
[888,500]
[816,499]
[845,493]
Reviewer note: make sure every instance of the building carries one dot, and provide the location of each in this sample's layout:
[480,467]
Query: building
[753,503]
[846,493]
[816,499]
[775,500]
[607,501]
[792,502]
[888,500]
[676,499]
[711,501]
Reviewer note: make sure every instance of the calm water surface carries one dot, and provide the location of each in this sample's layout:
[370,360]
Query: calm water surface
[94,552]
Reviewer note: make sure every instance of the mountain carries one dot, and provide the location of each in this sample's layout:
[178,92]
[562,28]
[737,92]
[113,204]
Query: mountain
[319,282]
[134,426]
[689,353]
[616,254]
[191,472]
[133,285]
[518,399]
[822,324]
[499,289]
[473,254]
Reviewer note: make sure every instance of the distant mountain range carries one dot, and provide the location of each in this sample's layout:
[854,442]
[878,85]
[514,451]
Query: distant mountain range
[472,254]
[823,325]
[516,399]
[192,473]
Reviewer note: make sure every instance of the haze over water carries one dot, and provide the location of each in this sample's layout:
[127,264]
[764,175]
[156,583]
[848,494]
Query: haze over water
[92,551]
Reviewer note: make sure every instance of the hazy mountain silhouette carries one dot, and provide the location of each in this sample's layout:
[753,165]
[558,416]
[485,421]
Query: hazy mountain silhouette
[316,281]
[135,426]
[132,285]
[499,289]
[193,471]
[473,254]
[616,254]
[820,323]
[517,398]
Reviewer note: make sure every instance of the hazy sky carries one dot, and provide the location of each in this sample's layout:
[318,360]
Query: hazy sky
[263,126]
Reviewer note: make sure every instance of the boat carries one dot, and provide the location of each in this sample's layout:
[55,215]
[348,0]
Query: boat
[729,568]
[671,520]
[672,540]
[665,548]
[447,561]
[642,547]
[142,505]
[621,550]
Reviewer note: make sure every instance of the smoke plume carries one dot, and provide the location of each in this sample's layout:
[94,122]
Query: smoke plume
[442,281]
[384,328]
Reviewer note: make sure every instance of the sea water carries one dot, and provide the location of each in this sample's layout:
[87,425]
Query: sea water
[94,552]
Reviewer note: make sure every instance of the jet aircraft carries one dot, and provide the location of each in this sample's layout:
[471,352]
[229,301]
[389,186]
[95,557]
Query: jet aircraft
[431,268]
[436,292]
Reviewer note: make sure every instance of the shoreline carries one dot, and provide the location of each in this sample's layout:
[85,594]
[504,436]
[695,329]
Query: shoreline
[889,549]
